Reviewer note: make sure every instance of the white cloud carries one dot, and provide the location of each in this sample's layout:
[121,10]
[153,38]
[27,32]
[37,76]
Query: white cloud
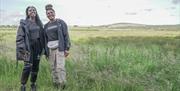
[10,17]
[176,2]
[97,12]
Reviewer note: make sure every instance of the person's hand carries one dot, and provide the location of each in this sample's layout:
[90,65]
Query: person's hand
[66,53]
[47,58]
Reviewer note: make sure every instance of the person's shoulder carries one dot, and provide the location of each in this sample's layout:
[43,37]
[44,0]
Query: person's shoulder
[45,25]
[22,21]
[60,20]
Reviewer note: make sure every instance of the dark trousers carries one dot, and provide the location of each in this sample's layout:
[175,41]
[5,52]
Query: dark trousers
[31,68]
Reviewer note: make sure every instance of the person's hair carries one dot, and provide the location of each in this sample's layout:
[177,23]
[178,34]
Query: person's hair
[37,19]
[49,7]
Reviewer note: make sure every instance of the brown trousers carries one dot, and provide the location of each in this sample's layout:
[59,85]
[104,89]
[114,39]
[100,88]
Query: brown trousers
[57,62]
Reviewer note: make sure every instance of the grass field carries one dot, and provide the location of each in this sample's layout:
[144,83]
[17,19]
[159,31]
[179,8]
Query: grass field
[105,60]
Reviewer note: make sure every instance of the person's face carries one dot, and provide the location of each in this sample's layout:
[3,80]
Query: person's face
[50,14]
[32,12]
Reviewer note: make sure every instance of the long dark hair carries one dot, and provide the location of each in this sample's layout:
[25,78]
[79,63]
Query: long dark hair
[37,19]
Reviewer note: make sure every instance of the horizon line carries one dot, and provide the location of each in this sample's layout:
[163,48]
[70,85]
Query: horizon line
[99,24]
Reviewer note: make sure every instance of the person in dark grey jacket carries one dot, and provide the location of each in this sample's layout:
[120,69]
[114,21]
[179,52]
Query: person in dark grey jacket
[57,44]
[29,45]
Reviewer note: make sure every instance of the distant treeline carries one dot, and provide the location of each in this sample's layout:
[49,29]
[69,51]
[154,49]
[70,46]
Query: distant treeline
[109,27]
[8,27]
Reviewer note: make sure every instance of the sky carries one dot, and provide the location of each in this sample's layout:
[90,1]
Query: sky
[96,12]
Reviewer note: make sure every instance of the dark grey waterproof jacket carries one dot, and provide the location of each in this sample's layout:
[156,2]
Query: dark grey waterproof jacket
[63,37]
[23,42]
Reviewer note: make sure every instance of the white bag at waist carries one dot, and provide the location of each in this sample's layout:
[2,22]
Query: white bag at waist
[53,44]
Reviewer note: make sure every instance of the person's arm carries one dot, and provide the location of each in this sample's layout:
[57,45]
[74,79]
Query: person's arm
[20,38]
[66,38]
[46,49]
[20,43]
[66,35]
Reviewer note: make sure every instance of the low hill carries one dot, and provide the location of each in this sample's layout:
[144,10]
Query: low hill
[116,25]
[140,26]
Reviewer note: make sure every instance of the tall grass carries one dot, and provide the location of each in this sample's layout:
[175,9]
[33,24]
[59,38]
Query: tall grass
[109,64]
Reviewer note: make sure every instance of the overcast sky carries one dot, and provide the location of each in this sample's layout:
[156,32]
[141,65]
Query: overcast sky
[96,12]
